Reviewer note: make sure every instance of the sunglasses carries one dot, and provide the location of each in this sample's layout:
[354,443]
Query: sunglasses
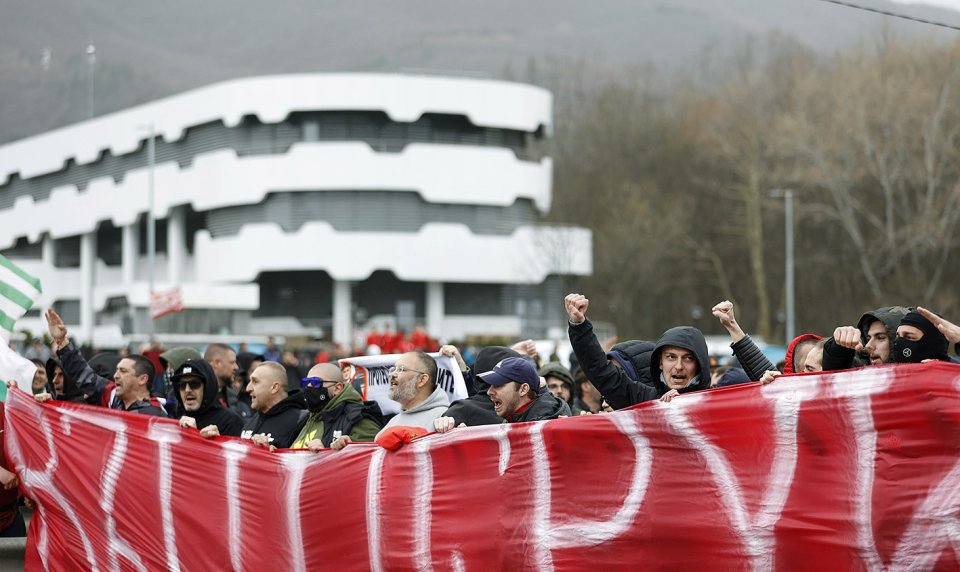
[193,384]
[315,382]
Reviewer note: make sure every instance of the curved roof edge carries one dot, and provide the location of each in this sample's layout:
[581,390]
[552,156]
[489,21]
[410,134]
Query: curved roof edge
[487,103]
[466,175]
[527,256]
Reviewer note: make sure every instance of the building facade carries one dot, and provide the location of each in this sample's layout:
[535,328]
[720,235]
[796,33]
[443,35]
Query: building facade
[298,204]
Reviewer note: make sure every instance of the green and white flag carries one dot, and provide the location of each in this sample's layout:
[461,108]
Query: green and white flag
[18,291]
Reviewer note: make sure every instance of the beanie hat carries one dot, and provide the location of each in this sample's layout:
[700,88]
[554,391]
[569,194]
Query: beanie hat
[624,361]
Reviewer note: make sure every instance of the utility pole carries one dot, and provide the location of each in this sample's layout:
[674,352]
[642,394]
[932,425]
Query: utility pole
[787,195]
[92,61]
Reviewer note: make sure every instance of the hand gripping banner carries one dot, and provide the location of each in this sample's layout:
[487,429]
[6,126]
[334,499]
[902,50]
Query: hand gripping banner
[849,471]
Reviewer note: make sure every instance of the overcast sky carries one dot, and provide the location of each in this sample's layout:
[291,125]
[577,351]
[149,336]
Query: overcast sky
[955,4]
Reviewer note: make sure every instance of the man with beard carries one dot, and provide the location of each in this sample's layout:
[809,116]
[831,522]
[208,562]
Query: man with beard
[196,390]
[338,414]
[277,416]
[873,338]
[515,393]
[413,384]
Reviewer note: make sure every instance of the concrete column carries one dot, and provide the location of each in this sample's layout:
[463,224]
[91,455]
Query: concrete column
[342,313]
[176,244]
[88,259]
[47,251]
[130,250]
[435,309]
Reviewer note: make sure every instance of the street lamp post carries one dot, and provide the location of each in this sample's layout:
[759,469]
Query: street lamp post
[92,60]
[151,221]
[787,195]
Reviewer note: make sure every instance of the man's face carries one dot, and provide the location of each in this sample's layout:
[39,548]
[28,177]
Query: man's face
[507,398]
[557,388]
[225,366]
[126,377]
[39,379]
[911,333]
[58,379]
[403,380]
[679,366]
[814,359]
[878,343]
[260,389]
[191,392]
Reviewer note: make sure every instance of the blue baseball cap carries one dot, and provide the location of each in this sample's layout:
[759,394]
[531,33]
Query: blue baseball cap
[512,369]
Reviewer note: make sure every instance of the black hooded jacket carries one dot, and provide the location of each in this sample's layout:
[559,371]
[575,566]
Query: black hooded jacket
[282,422]
[546,406]
[688,338]
[210,412]
[478,409]
[837,357]
[611,381]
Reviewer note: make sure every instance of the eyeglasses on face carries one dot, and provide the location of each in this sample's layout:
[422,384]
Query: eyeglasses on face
[315,382]
[193,384]
[398,369]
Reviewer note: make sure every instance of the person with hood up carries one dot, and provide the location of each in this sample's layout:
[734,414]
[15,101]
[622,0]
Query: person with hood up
[679,362]
[338,414]
[872,338]
[413,384]
[196,390]
[278,415]
[560,384]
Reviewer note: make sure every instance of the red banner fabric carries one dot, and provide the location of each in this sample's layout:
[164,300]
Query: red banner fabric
[850,471]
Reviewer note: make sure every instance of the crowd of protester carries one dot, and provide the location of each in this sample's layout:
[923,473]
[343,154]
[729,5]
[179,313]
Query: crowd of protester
[273,401]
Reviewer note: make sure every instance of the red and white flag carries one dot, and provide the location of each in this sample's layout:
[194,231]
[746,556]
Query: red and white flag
[163,303]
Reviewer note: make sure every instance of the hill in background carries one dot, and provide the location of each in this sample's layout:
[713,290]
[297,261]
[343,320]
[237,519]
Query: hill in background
[147,50]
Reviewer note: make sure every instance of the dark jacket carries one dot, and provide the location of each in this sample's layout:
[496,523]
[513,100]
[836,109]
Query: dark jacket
[754,363]
[70,391]
[478,409]
[688,338]
[97,389]
[837,357]
[211,412]
[546,406]
[282,422]
[611,381]
[345,414]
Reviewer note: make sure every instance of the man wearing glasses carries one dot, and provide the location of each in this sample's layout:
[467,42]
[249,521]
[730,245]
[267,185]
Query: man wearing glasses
[413,384]
[196,388]
[338,414]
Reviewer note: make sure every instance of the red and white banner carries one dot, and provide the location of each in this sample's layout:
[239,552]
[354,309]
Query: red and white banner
[850,471]
[164,303]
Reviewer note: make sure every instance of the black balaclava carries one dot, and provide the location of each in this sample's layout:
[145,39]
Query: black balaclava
[933,344]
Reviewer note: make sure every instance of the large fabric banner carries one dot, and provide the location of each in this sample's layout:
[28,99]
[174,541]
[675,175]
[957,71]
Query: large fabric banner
[371,378]
[850,471]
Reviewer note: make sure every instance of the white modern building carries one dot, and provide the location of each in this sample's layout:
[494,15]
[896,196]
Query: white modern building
[298,204]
